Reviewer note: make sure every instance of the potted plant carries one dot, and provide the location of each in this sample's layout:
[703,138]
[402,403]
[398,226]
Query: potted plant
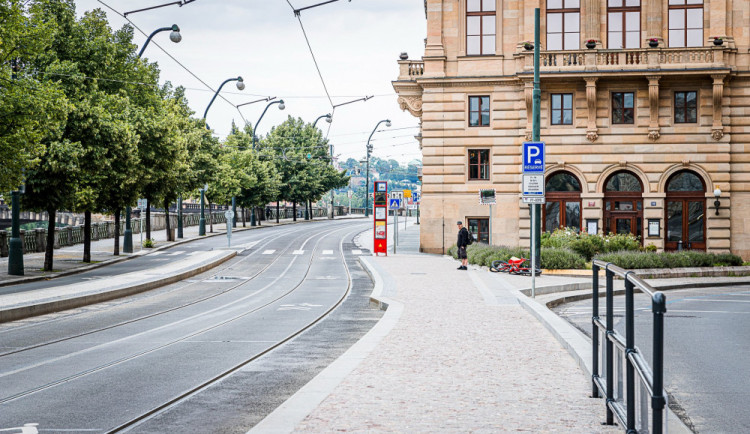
[528,45]
[591,44]
[653,42]
[718,40]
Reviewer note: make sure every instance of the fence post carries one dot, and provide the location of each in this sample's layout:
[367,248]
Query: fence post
[610,345]
[659,307]
[629,349]
[69,239]
[41,239]
[56,244]
[23,241]
[595,332]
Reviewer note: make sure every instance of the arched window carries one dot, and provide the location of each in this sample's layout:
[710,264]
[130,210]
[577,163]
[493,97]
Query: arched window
[563,206]
[623,204]
[685,212]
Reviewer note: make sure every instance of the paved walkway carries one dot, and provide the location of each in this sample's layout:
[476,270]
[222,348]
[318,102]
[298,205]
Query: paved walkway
[450,355]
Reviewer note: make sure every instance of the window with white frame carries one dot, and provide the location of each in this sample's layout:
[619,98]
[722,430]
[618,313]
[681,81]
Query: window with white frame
[623,24]
[685,23]
[563,24]
[480,27]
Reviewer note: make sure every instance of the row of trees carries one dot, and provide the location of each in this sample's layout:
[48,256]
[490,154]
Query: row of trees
[86,126]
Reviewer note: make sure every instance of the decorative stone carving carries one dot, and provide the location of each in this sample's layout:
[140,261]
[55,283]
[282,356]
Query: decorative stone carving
[717,130]
[686,163]
[591,136]
[591,130]
[653,103]
[529,135]
[411,103]
[654,135]
[717,134]
[623,163]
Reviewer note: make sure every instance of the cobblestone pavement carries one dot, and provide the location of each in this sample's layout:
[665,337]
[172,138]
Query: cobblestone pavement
[455,364]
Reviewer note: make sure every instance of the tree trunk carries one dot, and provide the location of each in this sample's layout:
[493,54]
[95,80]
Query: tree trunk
[167,223]
[117,232]
[148,218]
[210,216]
[277,211]
[49,252]
[294,211]
[244,217]
[87,236]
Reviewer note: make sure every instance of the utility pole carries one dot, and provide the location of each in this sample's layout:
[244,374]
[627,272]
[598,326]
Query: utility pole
[536,209]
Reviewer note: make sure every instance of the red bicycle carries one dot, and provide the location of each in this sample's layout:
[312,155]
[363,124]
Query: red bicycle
[514,266]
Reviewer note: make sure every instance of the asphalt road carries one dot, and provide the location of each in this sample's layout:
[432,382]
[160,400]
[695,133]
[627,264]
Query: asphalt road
[706,352]
[215,353]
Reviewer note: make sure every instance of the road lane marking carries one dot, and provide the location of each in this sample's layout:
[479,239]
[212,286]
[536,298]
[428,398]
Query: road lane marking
[703,311]
[156,253]
[197,252]
[269,252]
[299,252]
[301,306]
[716,301]
[178,252]
[328,252]
[356,252]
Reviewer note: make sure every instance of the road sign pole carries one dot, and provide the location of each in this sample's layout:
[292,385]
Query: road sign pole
[536,224]
[490,226]
[395,230]
[533,255]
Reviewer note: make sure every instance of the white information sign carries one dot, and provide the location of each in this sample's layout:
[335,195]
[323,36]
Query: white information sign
[533,185]
[535,200]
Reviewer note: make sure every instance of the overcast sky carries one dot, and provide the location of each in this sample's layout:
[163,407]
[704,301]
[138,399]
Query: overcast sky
[356,44]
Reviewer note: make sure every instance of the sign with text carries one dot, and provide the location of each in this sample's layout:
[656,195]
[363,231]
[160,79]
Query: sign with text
[407,193]
[534,200]
[533,157]
[533,185]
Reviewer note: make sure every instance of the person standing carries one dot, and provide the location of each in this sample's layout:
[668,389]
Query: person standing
[461,243]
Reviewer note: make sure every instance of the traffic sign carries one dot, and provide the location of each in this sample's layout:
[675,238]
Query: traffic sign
[229,214]
[533,157]
[534,200]
[407,193]
[487,197]
[416,195]
[142,203]
[394,204]
[533,185]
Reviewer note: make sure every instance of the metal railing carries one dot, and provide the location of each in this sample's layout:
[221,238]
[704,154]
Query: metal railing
[621,360]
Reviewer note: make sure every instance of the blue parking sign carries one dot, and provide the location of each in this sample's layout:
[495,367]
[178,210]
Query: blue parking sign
[533,157]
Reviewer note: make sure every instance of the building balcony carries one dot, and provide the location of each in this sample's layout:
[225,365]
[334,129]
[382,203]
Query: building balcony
[631,61]
[410,69]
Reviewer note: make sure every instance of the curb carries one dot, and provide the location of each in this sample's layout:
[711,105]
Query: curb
[294,410]
[31,310]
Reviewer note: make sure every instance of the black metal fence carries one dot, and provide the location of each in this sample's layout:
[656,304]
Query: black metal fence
[634,392]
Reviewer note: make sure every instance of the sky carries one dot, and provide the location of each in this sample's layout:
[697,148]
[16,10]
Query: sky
[356,44]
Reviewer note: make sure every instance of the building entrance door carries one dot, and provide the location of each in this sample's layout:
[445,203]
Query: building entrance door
[623,205]
[685,212]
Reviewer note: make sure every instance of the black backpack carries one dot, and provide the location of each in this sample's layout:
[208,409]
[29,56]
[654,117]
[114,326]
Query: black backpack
[470,238]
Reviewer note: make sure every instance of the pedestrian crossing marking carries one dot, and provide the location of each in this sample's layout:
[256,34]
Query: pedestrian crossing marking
[299,252]
[328,252]
[156,253]
[197,252]
[356,252]
[269,252]
[177,252]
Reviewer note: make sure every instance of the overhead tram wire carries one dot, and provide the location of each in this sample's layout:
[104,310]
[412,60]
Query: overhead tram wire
[170,56]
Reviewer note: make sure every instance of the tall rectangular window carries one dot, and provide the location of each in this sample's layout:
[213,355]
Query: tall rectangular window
[685,23]
[479,111]
[480,27]
[623,24]
[623,107]
[562,108]
[479,164]
[686,107]
[563,24]
[480,228]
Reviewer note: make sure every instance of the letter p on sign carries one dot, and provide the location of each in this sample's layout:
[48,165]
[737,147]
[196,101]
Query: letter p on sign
[533,157]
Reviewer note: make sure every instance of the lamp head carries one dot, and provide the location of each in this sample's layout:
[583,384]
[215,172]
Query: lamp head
[175,36]
[205,187]
[329,118]
[388,123]
[240,83]
[717,192]
[281,104]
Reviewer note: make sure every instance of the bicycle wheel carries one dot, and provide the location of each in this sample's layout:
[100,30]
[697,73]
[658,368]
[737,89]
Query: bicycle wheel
[499,266]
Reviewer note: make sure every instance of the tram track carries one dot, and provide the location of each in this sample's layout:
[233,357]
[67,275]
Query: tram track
[216,272]
[197,332]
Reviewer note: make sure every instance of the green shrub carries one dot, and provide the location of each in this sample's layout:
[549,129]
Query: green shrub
[683,259]
[620,242]
[453,251]
[650,248]
[149,243]
[561,258]
[728,259]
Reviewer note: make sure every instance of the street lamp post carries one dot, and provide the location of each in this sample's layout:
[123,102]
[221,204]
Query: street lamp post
[282,106]
[329,119]
[127,243]
[179,217]
[367,170]
[240,86]
[15,246]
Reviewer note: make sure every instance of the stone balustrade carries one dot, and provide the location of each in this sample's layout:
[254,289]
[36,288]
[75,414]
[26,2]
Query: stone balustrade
[410,69]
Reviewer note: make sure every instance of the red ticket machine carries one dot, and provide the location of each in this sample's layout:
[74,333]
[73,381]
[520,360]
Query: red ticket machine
[380,218]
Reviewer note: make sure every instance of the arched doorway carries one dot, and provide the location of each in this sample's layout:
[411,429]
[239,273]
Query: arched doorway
[563,206]
[685,212]
[623,204]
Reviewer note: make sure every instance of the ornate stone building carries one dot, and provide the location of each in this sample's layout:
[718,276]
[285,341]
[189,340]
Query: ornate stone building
[644,112]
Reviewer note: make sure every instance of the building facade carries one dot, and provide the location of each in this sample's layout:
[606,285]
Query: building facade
[644,114]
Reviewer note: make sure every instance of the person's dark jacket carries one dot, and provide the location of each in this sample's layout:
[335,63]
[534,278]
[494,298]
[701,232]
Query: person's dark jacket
[463,238]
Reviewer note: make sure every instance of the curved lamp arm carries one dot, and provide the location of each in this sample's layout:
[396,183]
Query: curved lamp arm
[281,107]
[328,117]
[174,36]
[240,86]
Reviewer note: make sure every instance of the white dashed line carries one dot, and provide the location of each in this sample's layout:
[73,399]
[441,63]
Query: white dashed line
[269,252]
[328,252]
[175,253]
[299,252]
[356,252]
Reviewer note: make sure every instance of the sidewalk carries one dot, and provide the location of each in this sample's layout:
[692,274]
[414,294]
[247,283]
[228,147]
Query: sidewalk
[448,356]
